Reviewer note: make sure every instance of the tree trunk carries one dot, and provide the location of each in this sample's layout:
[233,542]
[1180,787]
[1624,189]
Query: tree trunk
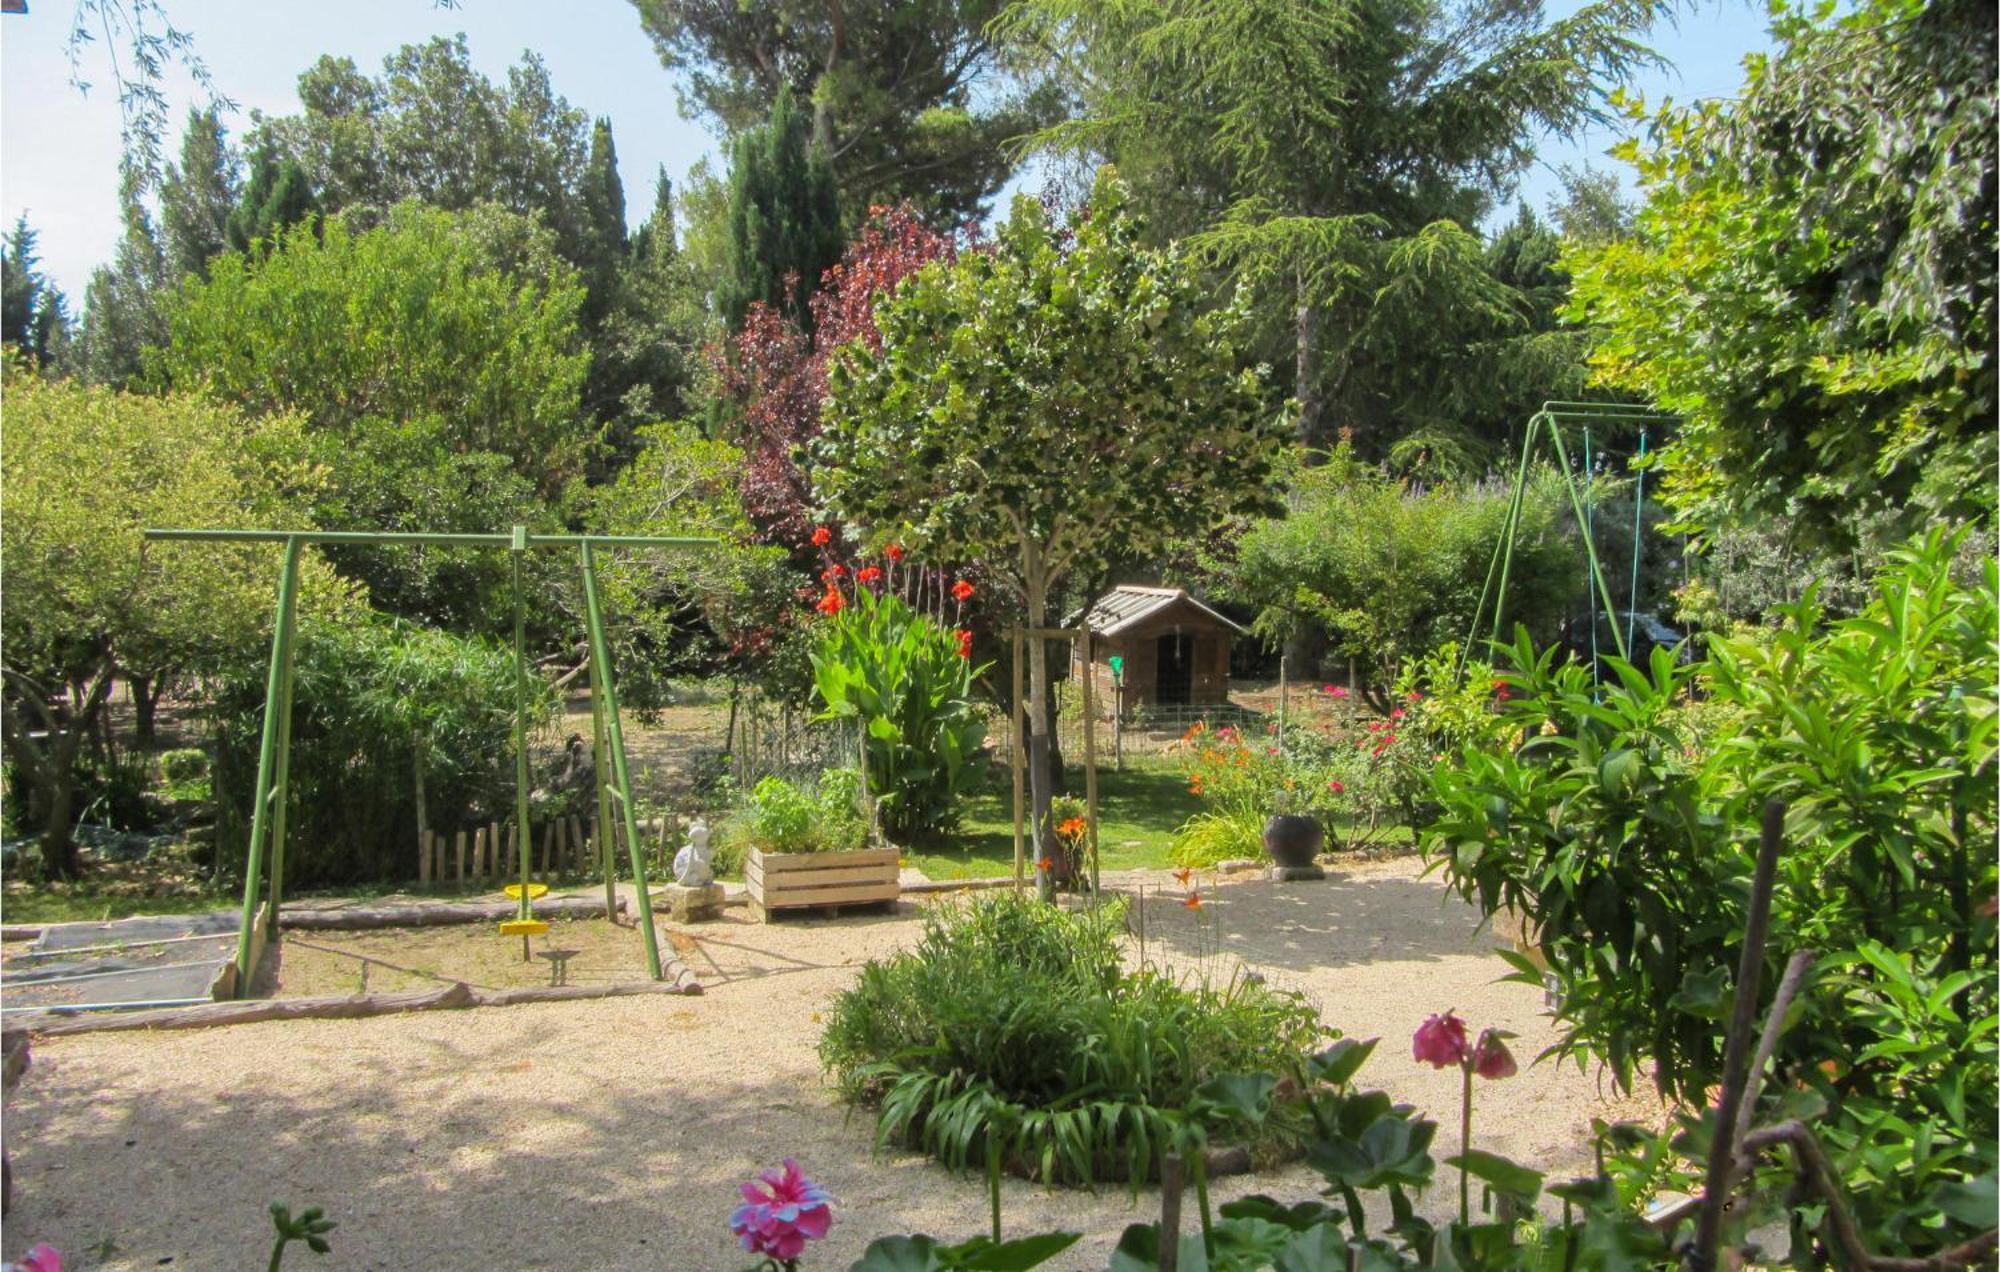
[1038,744]
[145,707]
[1311,428]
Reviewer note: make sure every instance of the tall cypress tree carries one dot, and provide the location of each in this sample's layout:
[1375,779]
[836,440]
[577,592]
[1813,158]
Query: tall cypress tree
[121,307]
[784,218]
[279,195]
[197,197]
[604,225]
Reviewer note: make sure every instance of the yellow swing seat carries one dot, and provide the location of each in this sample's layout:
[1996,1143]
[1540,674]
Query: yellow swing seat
[523,927]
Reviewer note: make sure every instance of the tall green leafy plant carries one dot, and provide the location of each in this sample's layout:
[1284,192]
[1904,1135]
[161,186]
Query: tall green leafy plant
[1608,818]
[906,680]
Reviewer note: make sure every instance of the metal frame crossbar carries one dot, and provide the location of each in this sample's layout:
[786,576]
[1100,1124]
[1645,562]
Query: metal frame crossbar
[267,816]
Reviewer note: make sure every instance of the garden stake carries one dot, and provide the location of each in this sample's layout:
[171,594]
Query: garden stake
[1170,1212]
[1700,1256]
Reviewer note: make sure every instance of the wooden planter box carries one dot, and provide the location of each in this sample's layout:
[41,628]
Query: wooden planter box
[800,880]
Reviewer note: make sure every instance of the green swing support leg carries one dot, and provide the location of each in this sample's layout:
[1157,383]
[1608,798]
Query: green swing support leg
[606,836]
[600,658]
[267,811]
[1589,546]
[516,550]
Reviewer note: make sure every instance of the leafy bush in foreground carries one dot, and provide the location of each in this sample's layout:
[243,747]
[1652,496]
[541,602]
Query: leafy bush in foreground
[1012,1029]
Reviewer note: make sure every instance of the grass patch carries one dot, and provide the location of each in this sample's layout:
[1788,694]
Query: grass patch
[49,904]
[1138,812]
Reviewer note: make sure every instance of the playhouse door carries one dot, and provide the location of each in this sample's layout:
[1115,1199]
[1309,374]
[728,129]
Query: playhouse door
[1176,663]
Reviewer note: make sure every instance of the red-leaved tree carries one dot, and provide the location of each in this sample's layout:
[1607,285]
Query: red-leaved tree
[774,375]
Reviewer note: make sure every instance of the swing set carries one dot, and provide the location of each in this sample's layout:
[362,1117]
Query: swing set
[1547,422]
[267,818]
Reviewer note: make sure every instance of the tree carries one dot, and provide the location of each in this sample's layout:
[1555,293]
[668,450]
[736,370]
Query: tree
[1380,570]
[646,351]
[1330,152]
[34,316]
[912,102]
[603,197]
[784,219]
[436,362]
[1035,405]
[773,375]
[278,196]
[121,307]
[198,196]
[86,469]
[1810,285]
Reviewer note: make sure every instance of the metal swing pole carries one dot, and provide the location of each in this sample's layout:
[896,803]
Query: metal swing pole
[600,657]
[517,548]
[1638,519]
[277,691]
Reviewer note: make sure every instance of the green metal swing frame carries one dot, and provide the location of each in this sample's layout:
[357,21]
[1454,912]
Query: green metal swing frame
[267,816]
[1547,422]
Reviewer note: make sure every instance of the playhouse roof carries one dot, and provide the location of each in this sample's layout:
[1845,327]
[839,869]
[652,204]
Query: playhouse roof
[1127,606]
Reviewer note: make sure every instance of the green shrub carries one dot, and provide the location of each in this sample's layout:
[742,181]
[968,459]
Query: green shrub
[902,677]
[1224,834]
[1012,1028]
[1624,824]
[187,764]
[780,817]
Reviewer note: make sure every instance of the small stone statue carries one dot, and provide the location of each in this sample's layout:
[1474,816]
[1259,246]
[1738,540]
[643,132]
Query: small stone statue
[691,863]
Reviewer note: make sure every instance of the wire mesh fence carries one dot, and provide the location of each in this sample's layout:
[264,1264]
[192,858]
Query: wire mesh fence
[1145,731]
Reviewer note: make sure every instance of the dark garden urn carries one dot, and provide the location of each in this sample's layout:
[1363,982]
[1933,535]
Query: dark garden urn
[1292,840]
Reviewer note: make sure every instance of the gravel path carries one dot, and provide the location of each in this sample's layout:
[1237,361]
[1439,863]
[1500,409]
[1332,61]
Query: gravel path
[611,1134]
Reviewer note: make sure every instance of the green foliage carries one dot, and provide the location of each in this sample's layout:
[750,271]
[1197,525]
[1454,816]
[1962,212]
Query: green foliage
[121,306]
[1012,1030]
[1382,570]
[784,219]
[898,676]
[913,98]
[922,1254]
[85,471]
[198,196]
[1331,154]
[1208,839]
[1626,834]
[311,1227]
[33,317]
[278,196]
[1810,285]
[779,817]
[376,702]
[436,363]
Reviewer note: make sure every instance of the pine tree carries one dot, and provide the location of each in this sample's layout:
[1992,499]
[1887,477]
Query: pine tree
[198,196]
[784,219]
[121,307]
[20,286]
[656,235]
[279,195]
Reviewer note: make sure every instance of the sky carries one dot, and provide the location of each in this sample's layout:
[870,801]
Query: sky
[59,148]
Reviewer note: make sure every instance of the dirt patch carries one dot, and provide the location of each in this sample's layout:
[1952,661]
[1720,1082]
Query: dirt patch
[612,1134]
[394,960]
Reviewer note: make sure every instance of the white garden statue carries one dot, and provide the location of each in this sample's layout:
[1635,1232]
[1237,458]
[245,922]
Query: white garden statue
[691,864]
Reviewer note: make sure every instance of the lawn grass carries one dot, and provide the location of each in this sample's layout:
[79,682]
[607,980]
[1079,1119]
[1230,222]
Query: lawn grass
[86,905]
[1138,811]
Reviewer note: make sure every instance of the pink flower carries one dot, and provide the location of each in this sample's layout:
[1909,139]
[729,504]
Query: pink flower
[43,1257]
[1491,1059]
[1336,786]
[780,1221]
[1335,692]
[1440,1041]
[1397,714]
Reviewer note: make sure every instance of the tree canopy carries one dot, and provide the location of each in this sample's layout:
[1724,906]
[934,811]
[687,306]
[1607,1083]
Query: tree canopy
[1810,284]
[784,219]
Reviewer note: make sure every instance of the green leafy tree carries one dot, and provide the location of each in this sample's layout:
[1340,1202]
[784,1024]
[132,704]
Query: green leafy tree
[646,353]
[912,102]
[278,196]
[121,307]
[1810,285]
[437,364]
[34,316]
[198,196]
[1331,152]
[784,219]
[1378,571]
[86,470]
[1034,406]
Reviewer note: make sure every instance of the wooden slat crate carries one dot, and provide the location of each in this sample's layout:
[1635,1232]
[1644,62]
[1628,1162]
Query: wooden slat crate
[798,880]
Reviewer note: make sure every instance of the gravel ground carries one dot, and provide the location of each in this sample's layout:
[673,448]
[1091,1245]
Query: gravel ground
[611,1134]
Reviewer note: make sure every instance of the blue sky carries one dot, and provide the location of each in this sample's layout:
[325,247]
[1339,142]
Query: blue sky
[59,148]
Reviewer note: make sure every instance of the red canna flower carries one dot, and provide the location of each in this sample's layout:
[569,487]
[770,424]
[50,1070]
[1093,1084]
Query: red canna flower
[831,572]
[832,603]
[894,552]
[964,642]
[822,536]
[868,574]
[1336,786]
[961,591]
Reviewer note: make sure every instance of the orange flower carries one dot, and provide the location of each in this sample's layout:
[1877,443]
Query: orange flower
[1046,864]
[961,591]
[1073,828]
[1192,901]
[822,536]
[1183,875]
[1194,786]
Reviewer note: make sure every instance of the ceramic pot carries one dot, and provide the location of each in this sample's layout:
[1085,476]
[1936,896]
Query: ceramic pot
[1292,840]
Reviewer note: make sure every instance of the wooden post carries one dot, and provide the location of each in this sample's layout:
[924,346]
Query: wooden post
[1090,758]
[576,857]
[493,846]
[440,844]
[1020,770]
[478,853]
[423,858]
[1282,659]
[460,853]
[548,845]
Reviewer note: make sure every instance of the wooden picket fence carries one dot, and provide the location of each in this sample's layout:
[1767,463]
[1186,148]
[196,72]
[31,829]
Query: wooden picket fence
[565,846]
